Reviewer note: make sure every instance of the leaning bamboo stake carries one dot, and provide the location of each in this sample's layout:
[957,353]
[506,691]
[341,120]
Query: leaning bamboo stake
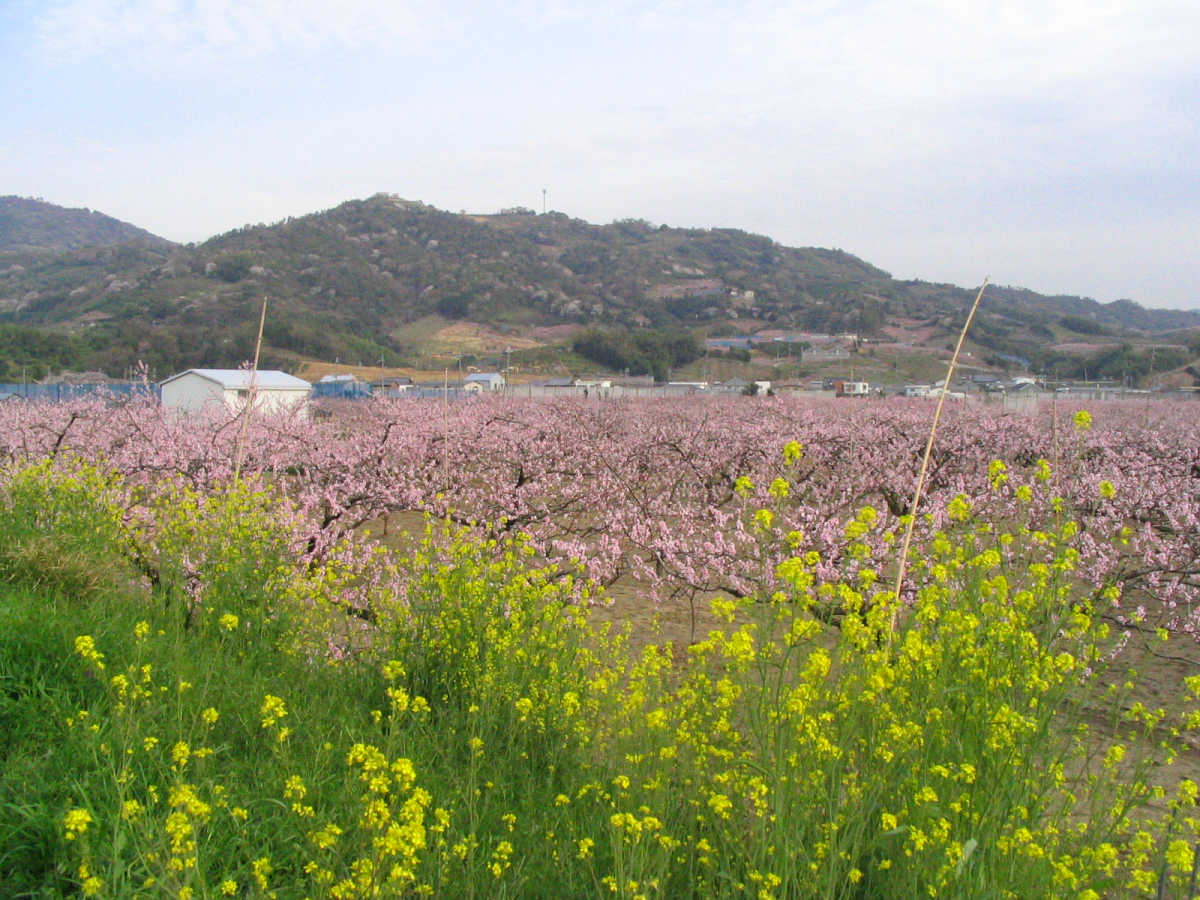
[937,415]
[241,445]
[446,431]
[1054,430]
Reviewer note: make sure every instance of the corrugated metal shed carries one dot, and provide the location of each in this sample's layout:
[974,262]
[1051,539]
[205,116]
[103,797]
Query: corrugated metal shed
[239,379]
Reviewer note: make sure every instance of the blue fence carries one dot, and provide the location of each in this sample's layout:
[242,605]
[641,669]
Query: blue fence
[55,393]
[342,390]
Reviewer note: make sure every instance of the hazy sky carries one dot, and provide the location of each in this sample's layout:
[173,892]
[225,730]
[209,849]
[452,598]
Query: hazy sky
[1051,145]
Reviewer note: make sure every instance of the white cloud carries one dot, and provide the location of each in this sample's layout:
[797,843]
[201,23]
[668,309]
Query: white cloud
[164,32]
[949,53]
[1151,265]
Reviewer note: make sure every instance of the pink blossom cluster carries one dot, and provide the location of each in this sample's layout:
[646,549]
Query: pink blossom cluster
[670,493]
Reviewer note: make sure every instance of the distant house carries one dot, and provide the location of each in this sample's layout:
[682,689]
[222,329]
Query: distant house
[852,388]
[393,386]
[195,389]
[742,385]
[949,395]
[484,381]
[593,382]
[341,387]
[732,386]
[738,385]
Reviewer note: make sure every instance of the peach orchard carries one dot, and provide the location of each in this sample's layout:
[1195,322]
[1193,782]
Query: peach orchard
[685,500]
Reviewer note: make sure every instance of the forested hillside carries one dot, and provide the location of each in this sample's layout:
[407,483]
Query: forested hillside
[350,282]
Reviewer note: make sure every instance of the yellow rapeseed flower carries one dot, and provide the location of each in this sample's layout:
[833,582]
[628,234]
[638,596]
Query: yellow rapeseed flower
[959,509]
[76,822]
[180,754]
[262,869]
[272,710]
[131,810]
[720,804]
[393,669]
[293,788]
[85,646]
[1179,856]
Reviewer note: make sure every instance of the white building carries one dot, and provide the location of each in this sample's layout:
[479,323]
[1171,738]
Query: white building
[602,384]
[739,385]
[196,389]
[484,381]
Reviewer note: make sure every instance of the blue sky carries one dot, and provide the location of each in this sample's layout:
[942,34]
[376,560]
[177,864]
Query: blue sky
[1051,145]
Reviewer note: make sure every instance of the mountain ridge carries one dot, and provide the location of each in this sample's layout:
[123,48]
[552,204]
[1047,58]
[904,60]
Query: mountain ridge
[32,224]
[359,278]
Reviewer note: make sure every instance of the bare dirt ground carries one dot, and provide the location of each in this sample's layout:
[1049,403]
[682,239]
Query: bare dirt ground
[471,337]
[1159,669]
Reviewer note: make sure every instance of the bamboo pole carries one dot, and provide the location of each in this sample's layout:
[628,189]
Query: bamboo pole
[446,429]
[241,445]
[937,415]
